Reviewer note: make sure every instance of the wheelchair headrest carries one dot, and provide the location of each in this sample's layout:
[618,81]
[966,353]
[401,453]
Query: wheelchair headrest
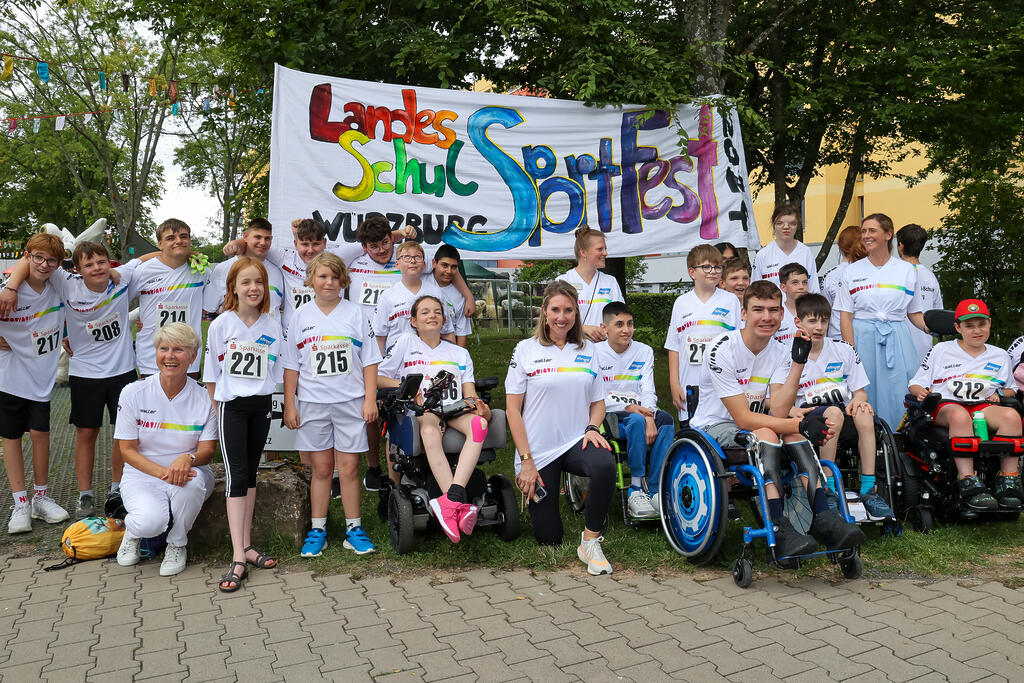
[940,321]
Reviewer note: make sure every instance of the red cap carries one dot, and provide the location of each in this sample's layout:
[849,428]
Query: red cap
[971,308]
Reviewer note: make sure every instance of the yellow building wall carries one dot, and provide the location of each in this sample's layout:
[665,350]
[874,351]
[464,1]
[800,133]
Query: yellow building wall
[888,195]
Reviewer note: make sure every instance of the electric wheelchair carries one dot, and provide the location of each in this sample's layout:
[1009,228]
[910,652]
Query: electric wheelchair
[405,506]
[929,489]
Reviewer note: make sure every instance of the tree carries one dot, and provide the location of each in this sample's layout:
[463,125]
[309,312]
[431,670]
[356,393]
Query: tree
[539,272]
[81,39]
[227,149]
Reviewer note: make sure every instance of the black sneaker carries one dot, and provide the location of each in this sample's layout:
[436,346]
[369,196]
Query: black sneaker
[335,489]
[790,542]
[1008,493]
[372,479]
[974,495]
[833,531]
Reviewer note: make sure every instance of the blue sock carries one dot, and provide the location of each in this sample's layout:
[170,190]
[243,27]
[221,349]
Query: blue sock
[635,488]
[775,508]
[830,482]
[867,482]
[820,503]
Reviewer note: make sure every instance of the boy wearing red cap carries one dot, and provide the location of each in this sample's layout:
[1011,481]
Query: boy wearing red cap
[970,375]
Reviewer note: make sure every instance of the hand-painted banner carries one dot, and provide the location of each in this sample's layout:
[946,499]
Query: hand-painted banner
[503,176]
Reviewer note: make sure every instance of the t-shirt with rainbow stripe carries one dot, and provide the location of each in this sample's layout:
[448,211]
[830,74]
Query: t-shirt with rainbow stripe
[33,332]
[949,370]
[166,295]
[410,355]
[885,293]
[165,427]
[833,376]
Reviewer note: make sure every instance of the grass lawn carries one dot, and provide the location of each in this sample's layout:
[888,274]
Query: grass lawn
[988,549]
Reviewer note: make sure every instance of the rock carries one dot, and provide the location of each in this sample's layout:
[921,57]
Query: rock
[282,509]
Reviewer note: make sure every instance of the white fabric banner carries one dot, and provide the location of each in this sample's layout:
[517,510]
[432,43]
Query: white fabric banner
[504,176]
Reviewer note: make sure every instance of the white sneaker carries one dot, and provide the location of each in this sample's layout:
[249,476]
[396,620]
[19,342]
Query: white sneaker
[656,504]
[640,505]
[128,553]
[21,519]
[590,553]
[174,561]
[46,509]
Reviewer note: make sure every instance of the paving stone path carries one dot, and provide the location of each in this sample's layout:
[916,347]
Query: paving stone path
[97,622]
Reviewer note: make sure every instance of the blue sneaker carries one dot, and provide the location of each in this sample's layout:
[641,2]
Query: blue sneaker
[875,505]
[316,541]
[358,542]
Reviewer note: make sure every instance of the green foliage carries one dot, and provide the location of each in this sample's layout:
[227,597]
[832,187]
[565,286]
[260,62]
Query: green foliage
[540,272]
[980,256]
[651,311]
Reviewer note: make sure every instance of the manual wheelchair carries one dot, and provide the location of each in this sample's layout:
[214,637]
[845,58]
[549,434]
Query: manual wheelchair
[888,482]
[929,476]
[695,496]
[575,486]
[406,506]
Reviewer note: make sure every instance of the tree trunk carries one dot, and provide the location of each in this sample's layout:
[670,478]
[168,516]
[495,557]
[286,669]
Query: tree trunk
[856,163]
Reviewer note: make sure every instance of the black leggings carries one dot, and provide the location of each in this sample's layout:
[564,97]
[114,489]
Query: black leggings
[594,462]
[244,424]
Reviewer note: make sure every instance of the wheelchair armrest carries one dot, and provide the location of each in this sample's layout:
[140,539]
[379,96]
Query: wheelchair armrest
[486,383]
[611,421]
[1011,402]
[743,438]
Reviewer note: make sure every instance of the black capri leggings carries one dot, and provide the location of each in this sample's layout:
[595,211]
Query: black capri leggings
[244,425]
[594,462]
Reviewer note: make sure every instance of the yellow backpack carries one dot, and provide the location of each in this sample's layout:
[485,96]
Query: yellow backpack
[90,539]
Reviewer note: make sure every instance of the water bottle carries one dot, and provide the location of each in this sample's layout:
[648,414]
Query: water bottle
[980,426]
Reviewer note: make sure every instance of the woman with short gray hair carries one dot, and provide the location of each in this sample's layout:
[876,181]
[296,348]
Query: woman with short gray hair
[167,430]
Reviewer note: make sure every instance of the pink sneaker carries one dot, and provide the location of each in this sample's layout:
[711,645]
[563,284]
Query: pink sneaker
[467,518]
[447,513]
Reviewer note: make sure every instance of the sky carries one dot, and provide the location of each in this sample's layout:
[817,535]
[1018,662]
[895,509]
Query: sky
[194,205]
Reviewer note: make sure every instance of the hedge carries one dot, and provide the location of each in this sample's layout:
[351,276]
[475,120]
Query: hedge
[651,315]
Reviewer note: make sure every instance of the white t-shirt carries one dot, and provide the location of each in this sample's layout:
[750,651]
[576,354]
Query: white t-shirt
[454,307]
[213,297]
[33,330]
[833,376]
[928,297]
[873,293]
[329,352]
[166,295]
[786,329]
[97,322]
[628,377]
[695,324]
[830,288]
[293,278]
[394,310]
[770,260]
[593,296]
[369,281]
[165,428]
[242,360]
[411,355]
[558,386]
[958,376]
[1016,350]
[732,369]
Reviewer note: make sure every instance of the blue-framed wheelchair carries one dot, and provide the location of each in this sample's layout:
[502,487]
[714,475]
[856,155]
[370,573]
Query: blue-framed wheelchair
[695,497]
[406,506]
[929,481]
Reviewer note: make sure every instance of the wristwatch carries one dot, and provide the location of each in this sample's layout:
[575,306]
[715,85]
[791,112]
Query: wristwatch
[193,456]
[524,457]
[592,428]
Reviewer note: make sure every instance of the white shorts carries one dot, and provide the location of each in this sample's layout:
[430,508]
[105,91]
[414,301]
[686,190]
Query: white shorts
[323,426]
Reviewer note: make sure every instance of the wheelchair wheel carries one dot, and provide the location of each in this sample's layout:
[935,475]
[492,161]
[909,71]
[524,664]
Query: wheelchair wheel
[400,523]
[508,510]
[575,491]
[852,567]
[921,517]
[693,497]
[742,572]
[887,467]
[796,506]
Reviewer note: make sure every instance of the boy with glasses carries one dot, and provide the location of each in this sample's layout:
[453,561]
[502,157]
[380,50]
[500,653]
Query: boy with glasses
[698,317]
[391,316]
[28,370]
